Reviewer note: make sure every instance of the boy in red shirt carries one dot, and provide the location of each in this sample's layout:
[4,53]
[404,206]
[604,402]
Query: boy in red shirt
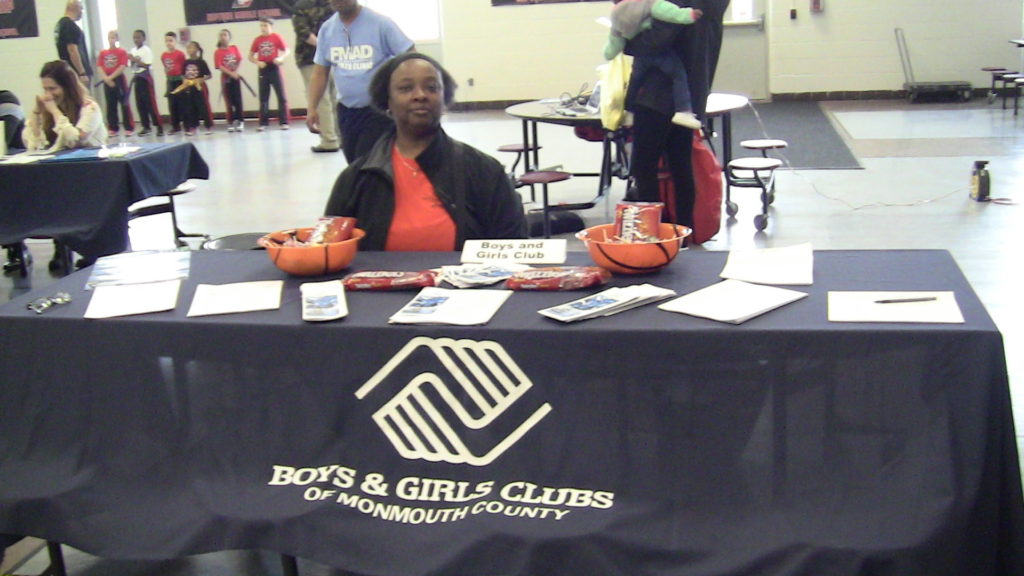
[174,67]
[268,51]
[227,59]
[111,65]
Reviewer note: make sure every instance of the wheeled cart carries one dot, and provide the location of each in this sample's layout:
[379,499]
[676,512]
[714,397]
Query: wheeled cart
[958,89]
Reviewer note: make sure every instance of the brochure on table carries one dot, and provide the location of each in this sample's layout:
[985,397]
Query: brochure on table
[457,307]
[607,302]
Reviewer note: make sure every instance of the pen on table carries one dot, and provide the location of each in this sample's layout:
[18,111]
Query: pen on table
[902,300]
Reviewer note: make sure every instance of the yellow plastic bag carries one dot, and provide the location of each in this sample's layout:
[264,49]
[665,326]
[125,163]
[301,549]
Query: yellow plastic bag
[614,80]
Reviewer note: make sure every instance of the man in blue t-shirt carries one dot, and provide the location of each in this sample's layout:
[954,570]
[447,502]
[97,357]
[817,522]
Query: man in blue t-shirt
[352,44]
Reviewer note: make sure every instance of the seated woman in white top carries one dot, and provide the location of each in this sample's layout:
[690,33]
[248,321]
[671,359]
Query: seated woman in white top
[65,116]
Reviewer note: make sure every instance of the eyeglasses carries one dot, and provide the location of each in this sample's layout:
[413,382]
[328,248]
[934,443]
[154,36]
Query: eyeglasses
[40,305]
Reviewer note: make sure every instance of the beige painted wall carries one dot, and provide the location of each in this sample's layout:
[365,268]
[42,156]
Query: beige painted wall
[539,51]
[852,46]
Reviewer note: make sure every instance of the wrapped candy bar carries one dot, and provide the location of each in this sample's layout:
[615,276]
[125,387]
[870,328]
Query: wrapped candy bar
[390,280]
[637,221]
[558,278]
[332,229]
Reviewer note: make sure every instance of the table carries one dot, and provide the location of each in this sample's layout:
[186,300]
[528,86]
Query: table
[720,104]
[614,157]
[612,164]
[85,203]
[643,443]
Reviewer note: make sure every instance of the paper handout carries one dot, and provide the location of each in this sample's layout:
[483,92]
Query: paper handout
[607,302]
[238,297]
[109,301]
[792,265]
[930,307]
[732,301]
[434,305]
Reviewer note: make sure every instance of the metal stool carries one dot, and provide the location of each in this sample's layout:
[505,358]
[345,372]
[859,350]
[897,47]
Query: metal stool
[763,146]
[752,172]
[520,150]
[1009,80]
[164,204]
[993,70]
[543,178]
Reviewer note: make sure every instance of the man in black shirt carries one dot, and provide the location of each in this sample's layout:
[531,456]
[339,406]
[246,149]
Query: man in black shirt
[70,41]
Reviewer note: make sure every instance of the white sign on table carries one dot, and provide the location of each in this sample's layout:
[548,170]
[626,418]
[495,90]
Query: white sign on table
[550,251]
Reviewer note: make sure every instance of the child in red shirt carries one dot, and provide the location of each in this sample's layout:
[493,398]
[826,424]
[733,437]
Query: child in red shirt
[227,59]
[268,51]
[111,65]
[174,67]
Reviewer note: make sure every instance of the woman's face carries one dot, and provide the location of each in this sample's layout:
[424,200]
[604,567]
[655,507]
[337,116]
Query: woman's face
[53,90]
[192,50]
[416,96]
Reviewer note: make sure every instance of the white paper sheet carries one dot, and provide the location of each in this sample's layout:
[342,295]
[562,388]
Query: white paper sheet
[130,299]
[790,265]
[234,298]
[457,307]
[732,301]
[939,307]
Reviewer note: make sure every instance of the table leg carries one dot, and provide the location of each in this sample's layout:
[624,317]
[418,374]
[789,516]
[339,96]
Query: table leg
[536,148]
[726,138]
[289,566]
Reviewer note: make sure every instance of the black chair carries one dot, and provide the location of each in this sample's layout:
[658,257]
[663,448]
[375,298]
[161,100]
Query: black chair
[164,204]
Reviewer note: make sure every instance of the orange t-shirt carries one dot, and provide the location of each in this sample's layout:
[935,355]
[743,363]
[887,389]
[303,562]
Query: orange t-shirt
[420,222]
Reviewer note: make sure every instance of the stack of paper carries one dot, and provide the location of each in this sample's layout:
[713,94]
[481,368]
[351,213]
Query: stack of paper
[732,301]
[459,307]
[608,302]
[136,283]
[139,267]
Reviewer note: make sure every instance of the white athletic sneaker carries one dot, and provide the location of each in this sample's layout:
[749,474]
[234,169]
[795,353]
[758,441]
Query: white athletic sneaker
[686,120]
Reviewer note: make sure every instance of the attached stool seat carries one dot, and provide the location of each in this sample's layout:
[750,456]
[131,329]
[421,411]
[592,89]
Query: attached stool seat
[996,72]
[519,150]
[763,146]
[752,172]
[543,178]
[164,204]
[243,241]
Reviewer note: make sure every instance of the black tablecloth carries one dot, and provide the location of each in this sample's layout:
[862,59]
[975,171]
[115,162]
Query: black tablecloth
[643,443]
[84,203]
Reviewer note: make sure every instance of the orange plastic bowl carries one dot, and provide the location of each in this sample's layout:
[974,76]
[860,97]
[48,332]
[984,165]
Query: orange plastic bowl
[637,258]
[313,260]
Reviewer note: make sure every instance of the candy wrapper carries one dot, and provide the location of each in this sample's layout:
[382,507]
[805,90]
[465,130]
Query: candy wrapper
[388,280]
[332,229]
[558,278]
[637,221]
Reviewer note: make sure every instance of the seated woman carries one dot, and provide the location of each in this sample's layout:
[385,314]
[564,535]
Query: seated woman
[417,189]
[64,116]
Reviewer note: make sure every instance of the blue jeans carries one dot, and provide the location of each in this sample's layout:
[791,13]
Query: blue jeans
[670,64]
